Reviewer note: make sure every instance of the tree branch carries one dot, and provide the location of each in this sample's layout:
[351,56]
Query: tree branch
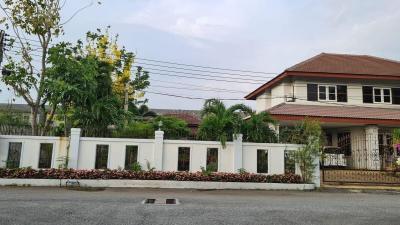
[77,12]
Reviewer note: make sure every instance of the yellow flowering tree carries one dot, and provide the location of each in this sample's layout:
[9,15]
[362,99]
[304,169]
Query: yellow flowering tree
[126,85]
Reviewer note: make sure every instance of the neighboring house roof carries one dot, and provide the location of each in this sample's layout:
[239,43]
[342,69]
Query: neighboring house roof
[351,114]
[21,108]
[337,66]
[192,117]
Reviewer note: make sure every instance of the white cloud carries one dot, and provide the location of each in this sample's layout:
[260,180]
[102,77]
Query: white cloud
[193,20]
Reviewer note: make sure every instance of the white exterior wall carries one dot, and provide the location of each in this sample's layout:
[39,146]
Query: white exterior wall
[31,147]
[275,95]
[275,156]
[146,149]
[116,151]
[198,154]
[263,102]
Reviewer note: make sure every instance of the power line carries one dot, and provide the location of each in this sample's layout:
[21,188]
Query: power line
[193,85]
[205,67]
[20,53]
[196,70]
[206,75]
[24,38]
[196,89]
[201,78]
[193,98]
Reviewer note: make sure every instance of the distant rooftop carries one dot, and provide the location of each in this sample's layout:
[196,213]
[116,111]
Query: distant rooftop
[190,116]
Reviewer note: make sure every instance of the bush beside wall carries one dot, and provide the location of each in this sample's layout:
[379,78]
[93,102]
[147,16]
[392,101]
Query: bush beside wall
[28,173]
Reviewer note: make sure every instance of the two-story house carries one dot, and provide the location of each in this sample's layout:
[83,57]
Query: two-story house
[356,98]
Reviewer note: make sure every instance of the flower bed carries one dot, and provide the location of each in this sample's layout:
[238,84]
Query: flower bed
[27,173]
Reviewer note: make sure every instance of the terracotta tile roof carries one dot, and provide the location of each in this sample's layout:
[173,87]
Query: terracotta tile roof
[192,117]
[348,64]
[353,112]
[337,66]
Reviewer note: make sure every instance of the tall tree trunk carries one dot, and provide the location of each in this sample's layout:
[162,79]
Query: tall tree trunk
[48,120]
[126,98]
[34,122]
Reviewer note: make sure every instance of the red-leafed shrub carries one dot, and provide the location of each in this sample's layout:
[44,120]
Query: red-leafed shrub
[29,173]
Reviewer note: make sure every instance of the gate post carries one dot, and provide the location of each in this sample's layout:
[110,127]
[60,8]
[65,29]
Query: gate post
[372,147]
[74,148]
[237,152]
[317,173]
[158,150]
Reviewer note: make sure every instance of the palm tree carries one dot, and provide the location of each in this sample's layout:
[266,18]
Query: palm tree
[219,123]
[257,128]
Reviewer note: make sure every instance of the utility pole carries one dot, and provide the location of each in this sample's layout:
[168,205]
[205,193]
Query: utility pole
[2,41]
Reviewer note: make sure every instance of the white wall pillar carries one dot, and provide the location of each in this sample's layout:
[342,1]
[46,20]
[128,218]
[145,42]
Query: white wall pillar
[73,152]
[317,173]
[158,149]
[372,147]
[237,152]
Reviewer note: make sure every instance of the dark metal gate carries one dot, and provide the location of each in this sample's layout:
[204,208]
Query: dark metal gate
[367,159]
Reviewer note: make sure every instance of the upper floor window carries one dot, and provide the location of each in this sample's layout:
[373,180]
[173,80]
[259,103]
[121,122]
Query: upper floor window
[382,95]
[323,92]
[326,93]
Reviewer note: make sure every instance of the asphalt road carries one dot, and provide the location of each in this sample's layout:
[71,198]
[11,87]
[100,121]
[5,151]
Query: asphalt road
[59,206]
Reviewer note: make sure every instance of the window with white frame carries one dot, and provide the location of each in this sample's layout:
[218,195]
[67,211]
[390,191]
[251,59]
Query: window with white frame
[382,95]
[327,93]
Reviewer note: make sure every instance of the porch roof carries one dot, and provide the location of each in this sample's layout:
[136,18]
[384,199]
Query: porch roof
[339,114]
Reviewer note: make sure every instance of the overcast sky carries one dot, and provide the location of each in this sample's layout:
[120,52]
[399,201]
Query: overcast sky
[257,35]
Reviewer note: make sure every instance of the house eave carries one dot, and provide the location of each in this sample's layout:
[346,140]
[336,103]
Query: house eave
[253,95]
[358,121]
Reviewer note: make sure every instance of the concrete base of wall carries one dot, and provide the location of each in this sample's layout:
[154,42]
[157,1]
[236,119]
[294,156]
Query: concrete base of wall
[158,184]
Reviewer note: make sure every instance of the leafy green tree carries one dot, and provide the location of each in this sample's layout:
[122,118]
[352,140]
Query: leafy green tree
[220,123]
[308,133]
[81,82]
[301,131]
[256,128]
[396,136]
[306,158]
[173,128]
[71,81]
[10,118]
[141,112]
[136,129]
[40,21]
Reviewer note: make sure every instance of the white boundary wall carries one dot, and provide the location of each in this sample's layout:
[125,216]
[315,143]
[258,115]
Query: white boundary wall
[161,154]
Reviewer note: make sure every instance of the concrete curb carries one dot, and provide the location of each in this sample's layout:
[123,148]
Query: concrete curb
[158,184]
